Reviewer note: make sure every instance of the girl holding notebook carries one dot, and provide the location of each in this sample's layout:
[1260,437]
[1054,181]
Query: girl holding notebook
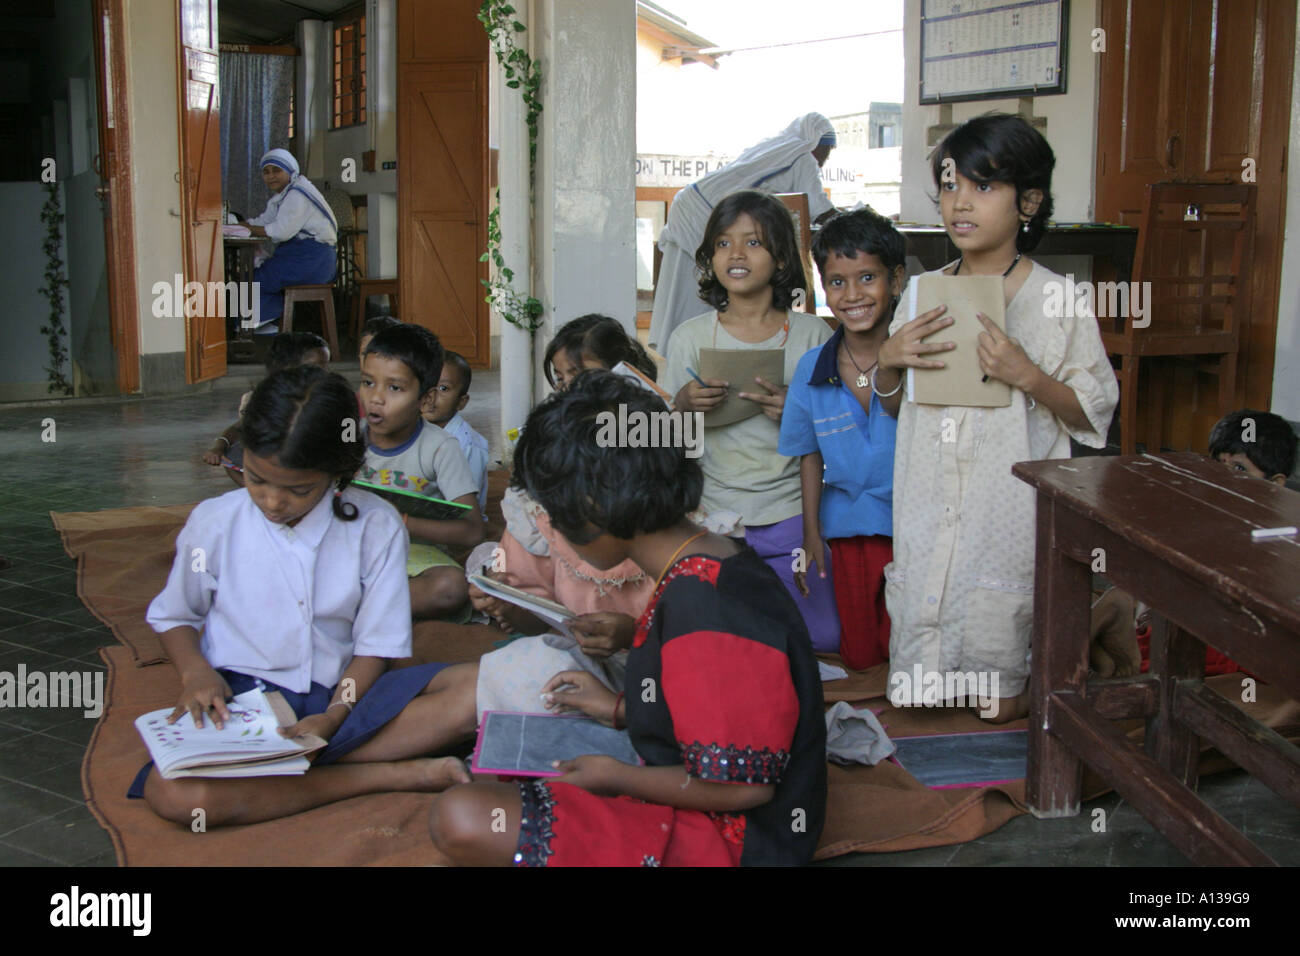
[751,275]
[960,588]
[724,704]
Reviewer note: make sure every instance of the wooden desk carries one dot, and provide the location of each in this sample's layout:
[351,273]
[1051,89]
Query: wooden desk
[1174,530]
[239,268]
[931,245]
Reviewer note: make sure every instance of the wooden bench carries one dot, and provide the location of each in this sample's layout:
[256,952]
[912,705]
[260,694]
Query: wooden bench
[1175,531]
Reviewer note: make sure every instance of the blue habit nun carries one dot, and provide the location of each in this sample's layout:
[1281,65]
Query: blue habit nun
[302,226]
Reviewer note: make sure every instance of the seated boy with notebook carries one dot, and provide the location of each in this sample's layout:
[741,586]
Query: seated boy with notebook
[442,407]
[400,367]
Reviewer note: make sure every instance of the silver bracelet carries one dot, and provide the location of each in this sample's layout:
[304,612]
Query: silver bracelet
[879,393]
[224,439]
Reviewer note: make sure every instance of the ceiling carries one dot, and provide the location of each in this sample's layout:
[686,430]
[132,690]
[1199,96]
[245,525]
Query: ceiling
[271,21]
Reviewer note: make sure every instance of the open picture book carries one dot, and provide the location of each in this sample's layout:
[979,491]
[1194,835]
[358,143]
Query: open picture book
[248,745]
[415,504]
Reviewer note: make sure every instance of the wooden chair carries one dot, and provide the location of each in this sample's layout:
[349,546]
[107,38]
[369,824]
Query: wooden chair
[365,289]
[797,203]
[322,294]
[1194,248]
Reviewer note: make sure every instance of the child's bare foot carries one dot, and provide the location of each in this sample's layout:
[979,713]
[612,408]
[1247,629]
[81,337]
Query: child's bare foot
[1003,710]
[435,774]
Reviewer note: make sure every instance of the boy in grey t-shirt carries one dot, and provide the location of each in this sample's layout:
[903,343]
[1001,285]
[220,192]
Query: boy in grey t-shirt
[399,368]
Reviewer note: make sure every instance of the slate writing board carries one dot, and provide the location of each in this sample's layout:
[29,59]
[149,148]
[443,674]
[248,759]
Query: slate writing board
[525,745]
[965,760]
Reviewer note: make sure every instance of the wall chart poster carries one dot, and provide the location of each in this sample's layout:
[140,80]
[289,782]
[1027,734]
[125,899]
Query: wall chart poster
[990,49]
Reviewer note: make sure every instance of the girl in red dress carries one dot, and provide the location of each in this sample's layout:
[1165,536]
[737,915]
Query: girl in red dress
[724,702]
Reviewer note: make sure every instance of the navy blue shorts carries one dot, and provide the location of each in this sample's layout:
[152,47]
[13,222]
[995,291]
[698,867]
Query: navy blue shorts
[386,698]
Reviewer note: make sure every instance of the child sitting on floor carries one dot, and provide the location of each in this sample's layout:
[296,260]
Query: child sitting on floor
[752,274]
[374,325]
[301,588]
[401,366]
[287,350]
[728,711]
[442,407]
[835,422]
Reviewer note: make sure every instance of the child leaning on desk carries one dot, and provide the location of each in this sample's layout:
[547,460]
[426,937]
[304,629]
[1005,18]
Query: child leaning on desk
[960,589]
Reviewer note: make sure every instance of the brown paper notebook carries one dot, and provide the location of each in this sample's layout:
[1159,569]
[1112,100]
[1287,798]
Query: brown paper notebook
[960,381]
[739,367]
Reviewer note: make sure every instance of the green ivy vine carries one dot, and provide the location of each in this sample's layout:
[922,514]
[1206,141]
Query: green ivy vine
[55,282]
[524,74]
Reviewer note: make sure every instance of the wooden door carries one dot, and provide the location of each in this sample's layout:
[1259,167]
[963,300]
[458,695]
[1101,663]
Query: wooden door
[115,191]
[442,172]
[200,168]
[1200,91]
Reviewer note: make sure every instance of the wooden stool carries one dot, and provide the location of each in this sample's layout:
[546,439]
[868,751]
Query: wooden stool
[324,294]
[365,289]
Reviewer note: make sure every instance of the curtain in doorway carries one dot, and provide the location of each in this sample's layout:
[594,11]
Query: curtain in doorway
[256,92]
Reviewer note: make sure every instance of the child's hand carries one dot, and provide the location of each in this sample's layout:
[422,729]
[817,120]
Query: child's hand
[212,457]
[493,607]
[1003,358]
[695,397]
[772,403]
[904,349]
[815,553]
[594,773]
[580,692]
[324,725]
[603,633]
[203,691]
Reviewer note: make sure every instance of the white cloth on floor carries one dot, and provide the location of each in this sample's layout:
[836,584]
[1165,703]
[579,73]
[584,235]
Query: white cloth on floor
[855,736]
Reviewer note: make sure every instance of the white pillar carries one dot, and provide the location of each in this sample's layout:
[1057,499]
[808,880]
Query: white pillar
[516,361]
[586,182]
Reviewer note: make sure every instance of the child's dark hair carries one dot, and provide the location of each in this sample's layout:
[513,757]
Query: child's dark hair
[287,349]
[462,369]
[306,418]
[1273,450]
[860,231]
[377,323]
[414,345]
[776,226]
[1000,147]
[624,491]
[604,339]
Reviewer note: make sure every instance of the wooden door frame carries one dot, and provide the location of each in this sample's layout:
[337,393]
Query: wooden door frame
[115,163]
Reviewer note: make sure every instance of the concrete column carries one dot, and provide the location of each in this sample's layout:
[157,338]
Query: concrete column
[585,256]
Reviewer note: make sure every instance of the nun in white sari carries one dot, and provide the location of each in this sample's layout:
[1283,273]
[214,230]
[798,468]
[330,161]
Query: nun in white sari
[302,226]
[788,163]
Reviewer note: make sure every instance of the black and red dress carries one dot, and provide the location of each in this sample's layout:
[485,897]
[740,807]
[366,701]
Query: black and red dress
[721,678]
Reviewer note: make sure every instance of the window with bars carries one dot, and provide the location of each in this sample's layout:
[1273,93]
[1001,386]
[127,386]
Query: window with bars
[350,71]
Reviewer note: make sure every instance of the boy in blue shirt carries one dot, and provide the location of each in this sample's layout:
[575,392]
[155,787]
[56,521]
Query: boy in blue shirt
[834,422]
[442,407]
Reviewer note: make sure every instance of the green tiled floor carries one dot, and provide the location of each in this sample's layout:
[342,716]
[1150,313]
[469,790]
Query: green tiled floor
[112,455]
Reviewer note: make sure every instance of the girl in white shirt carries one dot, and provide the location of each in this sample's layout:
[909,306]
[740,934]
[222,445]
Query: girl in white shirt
[286,586]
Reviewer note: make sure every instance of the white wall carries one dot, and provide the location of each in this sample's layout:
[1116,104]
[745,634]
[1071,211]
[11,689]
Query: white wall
[151,65]
[1071,122]
[1286,367]
[586,233]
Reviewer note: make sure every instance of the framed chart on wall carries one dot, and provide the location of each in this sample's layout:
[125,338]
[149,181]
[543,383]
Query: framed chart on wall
[992,49]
